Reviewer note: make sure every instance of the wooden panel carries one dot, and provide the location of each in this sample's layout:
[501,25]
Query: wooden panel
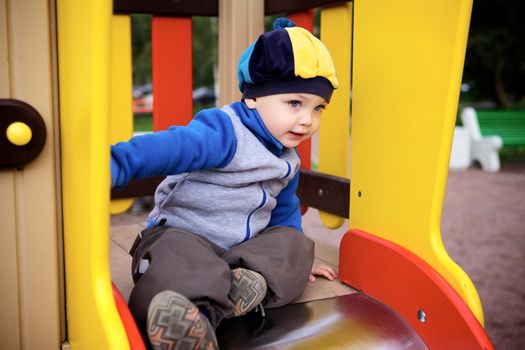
[28,202]
[240,23]
[321,191]
[9,300]
[324,192]
[171,71]
[278,6]
[209,7]
[4,51]
[137,188]
[167,7]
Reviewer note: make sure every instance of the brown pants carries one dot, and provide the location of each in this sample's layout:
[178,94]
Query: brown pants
[200,270]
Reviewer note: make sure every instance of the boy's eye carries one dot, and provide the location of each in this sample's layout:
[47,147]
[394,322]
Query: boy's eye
[320,108]
[294,103]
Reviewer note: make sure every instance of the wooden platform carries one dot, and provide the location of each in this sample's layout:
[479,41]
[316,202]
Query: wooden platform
[125,229]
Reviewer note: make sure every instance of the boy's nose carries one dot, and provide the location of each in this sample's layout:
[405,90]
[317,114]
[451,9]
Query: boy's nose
[306,119]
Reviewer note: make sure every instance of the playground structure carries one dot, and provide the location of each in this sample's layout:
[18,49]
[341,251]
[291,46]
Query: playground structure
[71,61]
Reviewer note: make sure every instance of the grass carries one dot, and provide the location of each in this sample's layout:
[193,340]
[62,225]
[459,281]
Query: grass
[143,122]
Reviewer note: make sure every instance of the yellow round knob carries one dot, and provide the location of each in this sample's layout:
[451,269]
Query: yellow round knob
[19,133]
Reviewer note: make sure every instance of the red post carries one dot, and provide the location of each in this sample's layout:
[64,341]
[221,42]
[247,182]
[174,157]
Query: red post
[304,19]
[172,71]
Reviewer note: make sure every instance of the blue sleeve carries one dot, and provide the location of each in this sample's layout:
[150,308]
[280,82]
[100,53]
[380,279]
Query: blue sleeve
[287,212]
[208,141]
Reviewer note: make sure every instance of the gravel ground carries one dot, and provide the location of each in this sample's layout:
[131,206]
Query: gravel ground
[483,229]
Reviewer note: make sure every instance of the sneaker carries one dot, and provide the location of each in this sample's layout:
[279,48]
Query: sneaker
[248,290]
[174,322]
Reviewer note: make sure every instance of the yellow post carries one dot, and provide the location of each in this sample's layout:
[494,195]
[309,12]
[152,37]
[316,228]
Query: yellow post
[336,34]
[407,72]
[84,48]
[121,114]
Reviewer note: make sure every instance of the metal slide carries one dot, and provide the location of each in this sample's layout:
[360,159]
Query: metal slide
[353,321]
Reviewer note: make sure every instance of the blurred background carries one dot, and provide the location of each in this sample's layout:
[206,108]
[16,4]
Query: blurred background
[494,72]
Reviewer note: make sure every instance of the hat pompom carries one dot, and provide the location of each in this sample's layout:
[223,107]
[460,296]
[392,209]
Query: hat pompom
[282,22]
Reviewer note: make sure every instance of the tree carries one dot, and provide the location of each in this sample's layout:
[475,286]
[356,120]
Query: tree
[495,59]
[204,49]
[141,48]
[205,52]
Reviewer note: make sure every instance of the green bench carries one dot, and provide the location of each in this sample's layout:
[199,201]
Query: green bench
[490,130]
[507,124]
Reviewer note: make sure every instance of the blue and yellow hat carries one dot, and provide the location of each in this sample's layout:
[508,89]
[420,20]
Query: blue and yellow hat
[285,60]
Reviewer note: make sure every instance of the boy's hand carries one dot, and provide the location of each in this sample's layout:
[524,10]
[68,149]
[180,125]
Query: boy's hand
[322,270]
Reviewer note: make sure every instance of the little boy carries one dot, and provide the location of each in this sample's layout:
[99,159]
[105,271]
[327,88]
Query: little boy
[225,234]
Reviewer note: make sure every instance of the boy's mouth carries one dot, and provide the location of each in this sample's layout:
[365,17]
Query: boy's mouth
[296,134]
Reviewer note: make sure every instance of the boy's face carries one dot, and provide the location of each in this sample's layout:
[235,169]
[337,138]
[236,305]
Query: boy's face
[290,118]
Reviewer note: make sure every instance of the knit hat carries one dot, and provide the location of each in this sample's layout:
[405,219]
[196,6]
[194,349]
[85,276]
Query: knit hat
[287,59]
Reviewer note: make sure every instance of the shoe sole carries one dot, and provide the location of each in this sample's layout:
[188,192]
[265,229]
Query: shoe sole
[175,323]
[248,290]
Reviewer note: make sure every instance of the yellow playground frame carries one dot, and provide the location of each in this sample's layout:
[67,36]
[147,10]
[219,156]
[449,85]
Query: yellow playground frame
[400,61]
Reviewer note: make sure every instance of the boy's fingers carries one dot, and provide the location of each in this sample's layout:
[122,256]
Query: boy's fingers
[326,272]
[311,278]
[328,275]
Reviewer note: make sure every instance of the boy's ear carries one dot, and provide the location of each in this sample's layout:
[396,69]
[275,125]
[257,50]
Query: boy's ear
[251,102]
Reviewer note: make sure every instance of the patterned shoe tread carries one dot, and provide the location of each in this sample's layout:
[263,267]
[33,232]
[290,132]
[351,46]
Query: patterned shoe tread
[174,322]
[248,290]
